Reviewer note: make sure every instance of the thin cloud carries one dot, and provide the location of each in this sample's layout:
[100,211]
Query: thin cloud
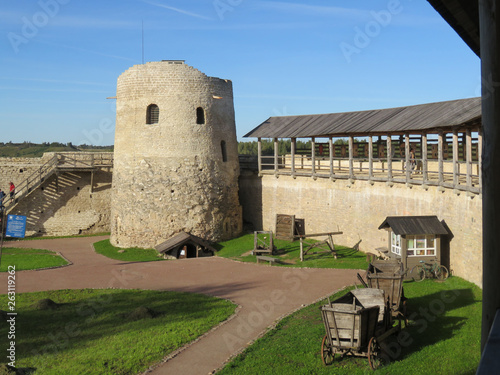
[52,81]
[88,51]
[50,90]
[316,10]
[185,12]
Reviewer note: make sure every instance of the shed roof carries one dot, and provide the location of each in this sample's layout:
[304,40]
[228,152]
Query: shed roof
[414,118]
[408,225]
[180,239]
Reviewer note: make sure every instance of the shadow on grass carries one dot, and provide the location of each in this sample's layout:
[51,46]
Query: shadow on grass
[430,322]
[79,325]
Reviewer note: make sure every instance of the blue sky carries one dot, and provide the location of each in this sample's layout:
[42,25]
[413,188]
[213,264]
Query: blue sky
[60,58]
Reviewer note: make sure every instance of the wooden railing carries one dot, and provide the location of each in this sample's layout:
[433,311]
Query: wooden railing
[60,162]
[459,175]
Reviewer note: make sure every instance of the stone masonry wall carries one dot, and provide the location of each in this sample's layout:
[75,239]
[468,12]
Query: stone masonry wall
[18,169]
[65,205]
[360,208]
[170,176]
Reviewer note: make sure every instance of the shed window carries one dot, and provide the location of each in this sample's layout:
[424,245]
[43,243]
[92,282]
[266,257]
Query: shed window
[396,244]
[200,116]
[421,245]
[224,151]
[152,114]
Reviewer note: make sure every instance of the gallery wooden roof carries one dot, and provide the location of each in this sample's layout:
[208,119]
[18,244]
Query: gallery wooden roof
[463,16]
[414,225]
[416,118]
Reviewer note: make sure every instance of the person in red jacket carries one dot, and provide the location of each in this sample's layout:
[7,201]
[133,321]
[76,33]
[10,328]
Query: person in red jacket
[12,191]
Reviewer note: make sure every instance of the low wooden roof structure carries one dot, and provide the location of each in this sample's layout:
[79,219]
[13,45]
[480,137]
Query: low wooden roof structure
[417,118]
[181,239]
[414,225]
[463,16]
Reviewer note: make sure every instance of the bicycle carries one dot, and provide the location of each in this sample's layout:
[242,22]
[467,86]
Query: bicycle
[421,271]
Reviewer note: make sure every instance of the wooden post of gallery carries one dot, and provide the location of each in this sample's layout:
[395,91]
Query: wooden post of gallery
[490,71]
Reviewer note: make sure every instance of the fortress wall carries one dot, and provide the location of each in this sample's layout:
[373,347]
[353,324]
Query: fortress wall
[359,209]
[65,205]
[18,169]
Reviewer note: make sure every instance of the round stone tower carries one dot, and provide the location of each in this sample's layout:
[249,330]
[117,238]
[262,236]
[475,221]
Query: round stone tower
[176,156]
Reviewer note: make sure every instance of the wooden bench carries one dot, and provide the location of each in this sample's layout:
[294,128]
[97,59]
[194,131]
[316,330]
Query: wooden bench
[268,259]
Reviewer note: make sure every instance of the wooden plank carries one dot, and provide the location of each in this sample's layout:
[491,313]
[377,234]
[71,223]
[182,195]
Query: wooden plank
[468,156]
[455,157]
[370,157]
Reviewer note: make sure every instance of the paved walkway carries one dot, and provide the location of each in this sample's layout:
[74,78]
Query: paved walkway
[264,293]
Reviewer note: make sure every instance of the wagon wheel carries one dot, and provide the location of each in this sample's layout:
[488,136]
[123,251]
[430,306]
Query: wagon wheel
[375,358]
[418,273]
[442,273]
[327,352]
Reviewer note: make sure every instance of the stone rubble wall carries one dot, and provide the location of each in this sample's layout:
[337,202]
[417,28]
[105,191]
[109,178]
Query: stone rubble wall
[64,204]
[360,208]
[170,176]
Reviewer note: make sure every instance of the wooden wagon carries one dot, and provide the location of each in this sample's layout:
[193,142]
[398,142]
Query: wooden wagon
[388,275]
[355,324]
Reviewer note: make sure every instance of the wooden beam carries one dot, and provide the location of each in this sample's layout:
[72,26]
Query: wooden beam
[370,157]
[389,158]
[480,156]
[331,151]
[351,157]
[489,17]
[407,157]
[259,154]
[276,152]
[293,150]
[455,158]
[468,156]
[440,158]
[313,156]
[425,175]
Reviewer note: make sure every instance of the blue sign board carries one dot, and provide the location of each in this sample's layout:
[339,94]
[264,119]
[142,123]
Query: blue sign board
[16,226]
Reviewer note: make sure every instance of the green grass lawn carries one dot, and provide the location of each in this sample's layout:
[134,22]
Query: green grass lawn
[289,254]
[132,254]
[30,259]
[443,338]
[91,332]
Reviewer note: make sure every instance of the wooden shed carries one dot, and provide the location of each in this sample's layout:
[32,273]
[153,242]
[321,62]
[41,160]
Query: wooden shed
[185,245]
[415,238]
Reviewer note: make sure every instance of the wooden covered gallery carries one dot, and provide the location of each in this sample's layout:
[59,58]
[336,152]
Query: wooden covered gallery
[430,144]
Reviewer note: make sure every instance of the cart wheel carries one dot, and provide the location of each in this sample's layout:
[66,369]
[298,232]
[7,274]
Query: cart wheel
[418,273]
[442,273]
[327,352]
[375,358]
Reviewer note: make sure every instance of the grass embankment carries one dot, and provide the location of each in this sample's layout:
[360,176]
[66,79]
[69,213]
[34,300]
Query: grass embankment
[131,254]
[289,254]
[30,259]
[95,331]
[443,338]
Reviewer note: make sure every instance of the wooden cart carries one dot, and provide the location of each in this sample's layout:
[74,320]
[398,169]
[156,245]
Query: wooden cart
[356,324]
[388,275]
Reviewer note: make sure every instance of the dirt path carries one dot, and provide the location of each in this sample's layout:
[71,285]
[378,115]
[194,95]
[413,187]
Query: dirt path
[264,293]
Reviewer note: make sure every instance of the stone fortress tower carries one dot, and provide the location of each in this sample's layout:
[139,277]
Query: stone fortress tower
[176,156]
